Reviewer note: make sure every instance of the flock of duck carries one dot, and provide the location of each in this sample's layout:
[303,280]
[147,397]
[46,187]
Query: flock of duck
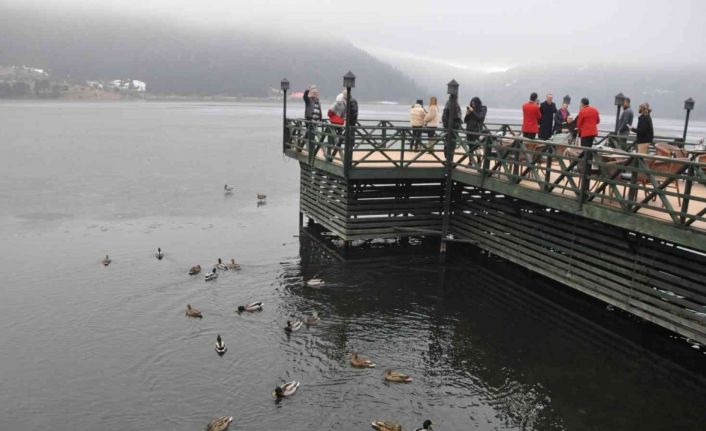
[289,388]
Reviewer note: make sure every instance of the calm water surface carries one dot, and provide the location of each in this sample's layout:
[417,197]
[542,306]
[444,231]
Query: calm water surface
[88,347]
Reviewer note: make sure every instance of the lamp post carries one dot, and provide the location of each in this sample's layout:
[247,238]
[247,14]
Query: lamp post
[348,82]
[619,99]
[284,85]
[688,106]
[452,90]
[567,100]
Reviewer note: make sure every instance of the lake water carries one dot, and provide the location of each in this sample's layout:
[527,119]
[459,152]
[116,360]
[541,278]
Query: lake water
[84,347]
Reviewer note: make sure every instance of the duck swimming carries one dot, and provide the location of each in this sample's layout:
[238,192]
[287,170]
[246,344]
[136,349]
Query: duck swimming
[425,426]
[233,266]
[195,270]
[193,312]
[220,346]
[293,326]
[250,308]
[386,426]
[219,424]
[312,319]
[285,390]
[211,275]
[394,376]
[220,265]
[261,197]
[159,254]
[361,361]
[106,260]
[315,282]
[228,188]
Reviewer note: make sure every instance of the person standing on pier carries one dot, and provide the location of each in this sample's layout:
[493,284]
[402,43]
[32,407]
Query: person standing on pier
[644,130]
[548,110]
[587,123]
[625,123]
[453,117]
[416,120]
[336,115]
[474,119]
[560,119]
[312,110]
[531,116]
[431,119]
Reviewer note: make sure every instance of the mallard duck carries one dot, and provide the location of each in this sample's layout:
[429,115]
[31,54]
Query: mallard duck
[315,282]
[386,426]
[228,188]
[233,266]
[211,275]
[195,270]
[193,312]
[159,254]
[261,197]
[361,361]
[106,260]
[312,319]
[427,425]
[285,390]
[394,376]
[293,326]
[250,308]
[219,424]
[220,346]
[220,265]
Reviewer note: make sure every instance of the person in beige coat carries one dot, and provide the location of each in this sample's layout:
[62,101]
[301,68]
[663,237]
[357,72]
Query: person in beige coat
[416,120]
[431,119]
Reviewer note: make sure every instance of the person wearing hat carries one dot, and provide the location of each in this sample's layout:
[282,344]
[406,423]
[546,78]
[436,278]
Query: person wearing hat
[416,120]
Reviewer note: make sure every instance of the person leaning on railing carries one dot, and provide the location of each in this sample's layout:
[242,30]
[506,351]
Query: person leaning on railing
[587,123]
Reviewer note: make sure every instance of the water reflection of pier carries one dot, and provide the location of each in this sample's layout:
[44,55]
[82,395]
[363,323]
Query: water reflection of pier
[487,335]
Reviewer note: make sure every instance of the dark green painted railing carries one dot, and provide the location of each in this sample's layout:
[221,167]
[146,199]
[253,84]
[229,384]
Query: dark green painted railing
[669,187]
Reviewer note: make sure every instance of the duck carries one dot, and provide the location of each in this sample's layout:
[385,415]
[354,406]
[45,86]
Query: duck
[361,361]
[286,390]
[211,275]
[195,270]
[193,312]
[219,424]
[106,260]
[159,254]
[293,326]
[228,188]
[312,319]
[394,376]
[386,426]
[261,197]
[220,265]
[315,282]
[233,266]
[427,425]
[251,307]
[220,346]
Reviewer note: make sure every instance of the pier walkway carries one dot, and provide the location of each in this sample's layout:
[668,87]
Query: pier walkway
[628,228]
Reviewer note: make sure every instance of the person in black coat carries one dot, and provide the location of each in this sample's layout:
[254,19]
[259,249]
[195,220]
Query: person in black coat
[644,130]
[475,118]
[452,104]
[546,124]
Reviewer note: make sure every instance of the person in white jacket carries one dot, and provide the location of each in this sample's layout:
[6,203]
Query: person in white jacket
[431,119]
[416,120]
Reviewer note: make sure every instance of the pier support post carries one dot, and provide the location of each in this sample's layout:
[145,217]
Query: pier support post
[301,219]
[452,90]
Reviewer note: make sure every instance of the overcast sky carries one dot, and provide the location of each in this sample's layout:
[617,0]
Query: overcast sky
[483,35]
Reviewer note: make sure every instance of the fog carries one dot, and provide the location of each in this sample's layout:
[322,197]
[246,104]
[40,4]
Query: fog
[486,36]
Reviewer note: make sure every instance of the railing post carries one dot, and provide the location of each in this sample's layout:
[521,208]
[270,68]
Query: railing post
[487,142]
[585,175]
[311,126]
[632,194]
[687,193]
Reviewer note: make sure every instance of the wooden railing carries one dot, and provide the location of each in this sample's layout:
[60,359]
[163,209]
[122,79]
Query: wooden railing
[671,188]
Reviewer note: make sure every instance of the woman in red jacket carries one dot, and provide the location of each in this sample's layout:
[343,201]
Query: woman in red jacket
[531,116]
[587,123]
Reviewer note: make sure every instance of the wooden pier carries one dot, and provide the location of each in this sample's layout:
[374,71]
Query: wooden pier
[628,228]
